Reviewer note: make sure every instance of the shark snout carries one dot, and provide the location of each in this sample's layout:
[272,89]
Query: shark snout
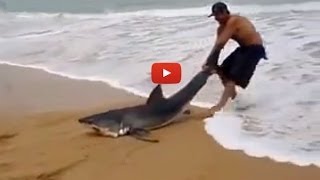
[85,120]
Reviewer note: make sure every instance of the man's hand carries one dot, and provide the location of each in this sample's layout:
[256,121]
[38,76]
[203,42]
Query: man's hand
[205,67]
[210,70]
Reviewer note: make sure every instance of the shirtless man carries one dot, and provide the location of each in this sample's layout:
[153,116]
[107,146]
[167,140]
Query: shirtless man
[238,68]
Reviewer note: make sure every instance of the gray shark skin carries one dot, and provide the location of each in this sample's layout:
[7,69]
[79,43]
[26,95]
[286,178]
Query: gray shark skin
[157,112]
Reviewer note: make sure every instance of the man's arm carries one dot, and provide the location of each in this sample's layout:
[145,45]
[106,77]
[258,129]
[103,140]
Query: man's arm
[222,38]
[212,59]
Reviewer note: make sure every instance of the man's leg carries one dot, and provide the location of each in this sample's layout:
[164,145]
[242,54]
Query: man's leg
[234,94]
[229,92]
[225,71]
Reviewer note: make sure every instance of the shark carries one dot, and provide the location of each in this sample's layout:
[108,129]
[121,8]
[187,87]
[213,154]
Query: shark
[158,111]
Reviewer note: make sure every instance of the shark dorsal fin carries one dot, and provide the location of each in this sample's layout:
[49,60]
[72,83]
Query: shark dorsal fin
[155,95]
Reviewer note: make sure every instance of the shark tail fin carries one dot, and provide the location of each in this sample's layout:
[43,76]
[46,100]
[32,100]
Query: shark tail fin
[156,95]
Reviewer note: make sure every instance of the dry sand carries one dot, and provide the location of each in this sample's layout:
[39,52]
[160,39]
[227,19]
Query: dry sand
[41,139]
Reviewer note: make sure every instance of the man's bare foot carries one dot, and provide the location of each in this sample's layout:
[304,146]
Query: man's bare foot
[234,95]
[208,113]
[215,108]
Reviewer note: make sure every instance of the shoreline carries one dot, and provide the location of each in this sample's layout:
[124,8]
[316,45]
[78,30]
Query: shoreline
[201,107]
[44,140]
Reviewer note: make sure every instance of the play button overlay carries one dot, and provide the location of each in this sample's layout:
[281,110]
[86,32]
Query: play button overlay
[166,73]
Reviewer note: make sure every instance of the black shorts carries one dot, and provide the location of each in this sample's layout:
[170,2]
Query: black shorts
[240,65]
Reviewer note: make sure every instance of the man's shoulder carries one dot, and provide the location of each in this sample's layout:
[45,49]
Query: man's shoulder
[239,18]
[232,22]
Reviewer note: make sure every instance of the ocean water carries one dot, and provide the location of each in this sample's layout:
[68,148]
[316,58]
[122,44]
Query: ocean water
[117,42]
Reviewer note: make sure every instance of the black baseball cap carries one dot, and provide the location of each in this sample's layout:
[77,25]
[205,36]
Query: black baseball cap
[218,7]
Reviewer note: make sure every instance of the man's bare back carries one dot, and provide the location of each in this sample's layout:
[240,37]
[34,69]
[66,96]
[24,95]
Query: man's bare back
[244,33]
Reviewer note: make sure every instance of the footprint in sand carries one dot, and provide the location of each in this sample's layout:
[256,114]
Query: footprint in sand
[4,141]
[5,166]
[49,174]
[4,138]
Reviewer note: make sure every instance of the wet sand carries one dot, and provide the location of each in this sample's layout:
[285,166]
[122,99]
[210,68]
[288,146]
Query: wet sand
[40,138]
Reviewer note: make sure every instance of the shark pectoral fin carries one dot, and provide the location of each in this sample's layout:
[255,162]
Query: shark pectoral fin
[156,95]
[141,134]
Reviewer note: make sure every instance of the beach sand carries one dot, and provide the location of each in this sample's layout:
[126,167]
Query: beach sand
[40,138]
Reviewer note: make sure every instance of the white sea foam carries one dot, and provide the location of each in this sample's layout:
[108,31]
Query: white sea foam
[277,116]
